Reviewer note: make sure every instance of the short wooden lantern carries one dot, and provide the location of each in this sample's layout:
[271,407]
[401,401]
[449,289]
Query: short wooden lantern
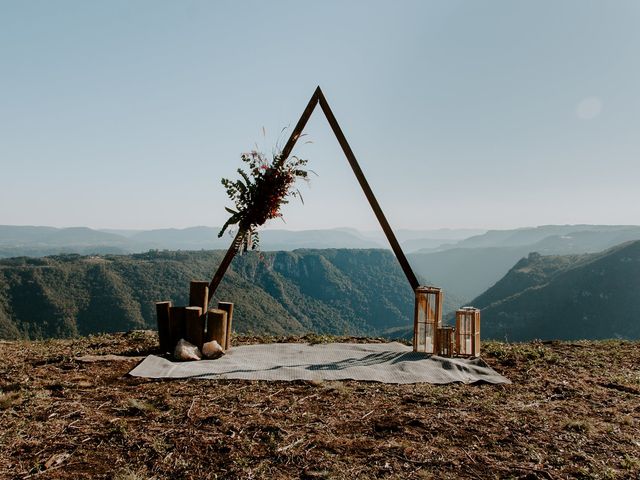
[468,332]
[444,341]
[427,318]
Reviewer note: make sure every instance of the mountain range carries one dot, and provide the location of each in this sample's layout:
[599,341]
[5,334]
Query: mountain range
[464,262]
[339,291]
[542,282]
[356,292]
[37,241]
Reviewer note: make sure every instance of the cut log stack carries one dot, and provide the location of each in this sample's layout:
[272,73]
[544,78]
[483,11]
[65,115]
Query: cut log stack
[195,323]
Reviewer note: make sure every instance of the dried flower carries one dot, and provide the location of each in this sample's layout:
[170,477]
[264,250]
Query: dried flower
[259,195]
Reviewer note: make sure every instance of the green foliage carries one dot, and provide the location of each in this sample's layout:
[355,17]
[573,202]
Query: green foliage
[591,296]
[353,292]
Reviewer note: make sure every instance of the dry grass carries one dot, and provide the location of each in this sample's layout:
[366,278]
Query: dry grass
[573,411]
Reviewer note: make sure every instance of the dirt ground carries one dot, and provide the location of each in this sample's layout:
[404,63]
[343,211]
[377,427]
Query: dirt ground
[573,411]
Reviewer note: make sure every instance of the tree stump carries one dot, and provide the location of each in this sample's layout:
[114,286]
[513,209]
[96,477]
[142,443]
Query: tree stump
[217,321]
[194,326]
[176,325]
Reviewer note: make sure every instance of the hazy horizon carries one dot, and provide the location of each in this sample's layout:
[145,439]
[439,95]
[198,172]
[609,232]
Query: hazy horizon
[489,115]
[338,227]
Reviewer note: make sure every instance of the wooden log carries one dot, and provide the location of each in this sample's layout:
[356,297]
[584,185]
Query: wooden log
[199,295]
[194,323]
[217,327]
[227,307]
[164,331]
[176,326]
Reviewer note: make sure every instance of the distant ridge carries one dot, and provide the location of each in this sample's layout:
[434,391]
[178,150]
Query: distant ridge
[464,266]
[41,241]
[533,235]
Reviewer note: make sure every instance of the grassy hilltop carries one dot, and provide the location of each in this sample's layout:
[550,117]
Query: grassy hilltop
[571,412]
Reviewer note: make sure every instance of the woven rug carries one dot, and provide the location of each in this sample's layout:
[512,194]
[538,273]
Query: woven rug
[376,362]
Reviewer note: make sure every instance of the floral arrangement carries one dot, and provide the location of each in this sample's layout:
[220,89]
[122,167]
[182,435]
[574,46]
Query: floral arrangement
[259,193]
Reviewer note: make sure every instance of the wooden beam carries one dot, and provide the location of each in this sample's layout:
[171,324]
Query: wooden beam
[318,98]
[224,265]
[304,118]
[351,158]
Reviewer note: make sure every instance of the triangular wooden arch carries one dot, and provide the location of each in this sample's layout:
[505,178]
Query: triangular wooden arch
[318,98]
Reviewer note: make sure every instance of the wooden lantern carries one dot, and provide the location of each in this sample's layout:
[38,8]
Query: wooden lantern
[468,332]
[444,341]
[427,318]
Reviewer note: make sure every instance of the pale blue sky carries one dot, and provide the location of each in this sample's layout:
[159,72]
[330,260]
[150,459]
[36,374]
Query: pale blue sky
[492,114]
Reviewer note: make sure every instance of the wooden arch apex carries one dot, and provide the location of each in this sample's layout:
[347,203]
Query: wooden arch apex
[319,98]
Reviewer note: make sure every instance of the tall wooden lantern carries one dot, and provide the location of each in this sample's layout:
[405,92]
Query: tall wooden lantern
[427,318]
[468,332]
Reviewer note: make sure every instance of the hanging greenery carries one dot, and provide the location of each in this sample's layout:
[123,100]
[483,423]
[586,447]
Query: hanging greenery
[261,191]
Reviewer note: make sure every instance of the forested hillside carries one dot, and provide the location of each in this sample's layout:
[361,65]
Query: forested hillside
[330,291]
[591,296]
